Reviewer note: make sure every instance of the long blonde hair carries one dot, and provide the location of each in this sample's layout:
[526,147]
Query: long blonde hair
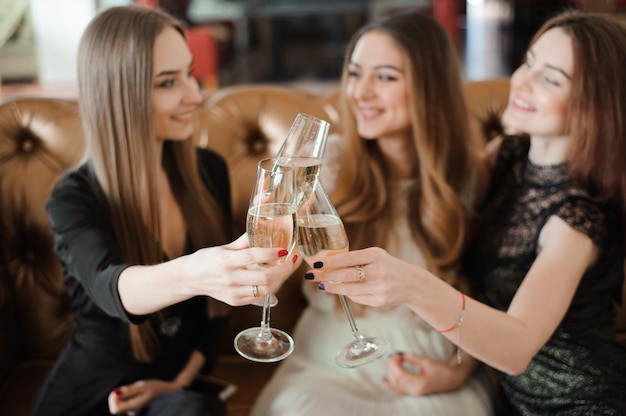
[443,150]
[115,78]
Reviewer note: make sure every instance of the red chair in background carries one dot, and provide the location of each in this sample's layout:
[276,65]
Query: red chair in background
[203,47]
[205,51]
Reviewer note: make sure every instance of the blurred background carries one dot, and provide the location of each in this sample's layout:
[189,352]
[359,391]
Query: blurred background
[278,41]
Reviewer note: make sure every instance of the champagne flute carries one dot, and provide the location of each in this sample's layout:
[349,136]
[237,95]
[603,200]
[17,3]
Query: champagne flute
[271,222]
[304,149]
[321,234]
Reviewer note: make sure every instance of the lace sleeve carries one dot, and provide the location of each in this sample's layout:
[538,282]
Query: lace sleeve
[585,216]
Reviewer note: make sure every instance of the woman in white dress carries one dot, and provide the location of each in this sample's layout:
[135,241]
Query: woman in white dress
[402,176]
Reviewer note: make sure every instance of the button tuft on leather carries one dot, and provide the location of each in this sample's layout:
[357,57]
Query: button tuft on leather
[26,141]
[27,145]
[257,143]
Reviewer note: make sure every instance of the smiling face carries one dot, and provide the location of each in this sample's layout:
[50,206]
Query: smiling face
[175,92]
[540,88]
[377,87]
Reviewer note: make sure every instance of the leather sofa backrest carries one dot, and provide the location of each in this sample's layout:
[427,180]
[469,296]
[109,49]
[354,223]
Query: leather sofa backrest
[248,123]
[40,139]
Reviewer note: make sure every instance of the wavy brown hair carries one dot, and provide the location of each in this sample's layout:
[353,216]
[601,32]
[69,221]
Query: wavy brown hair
[444,152]
[597,110]
[115,78]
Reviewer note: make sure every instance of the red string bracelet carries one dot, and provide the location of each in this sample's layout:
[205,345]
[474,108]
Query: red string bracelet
[457,326]
[460,321]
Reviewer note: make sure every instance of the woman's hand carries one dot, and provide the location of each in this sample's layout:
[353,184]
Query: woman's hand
[133,397]
[230,272]
[410,374]
[386,280]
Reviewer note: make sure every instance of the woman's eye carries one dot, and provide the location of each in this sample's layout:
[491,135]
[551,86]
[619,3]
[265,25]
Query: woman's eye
[550,81]
[167,83]
[384,77]
[353,74]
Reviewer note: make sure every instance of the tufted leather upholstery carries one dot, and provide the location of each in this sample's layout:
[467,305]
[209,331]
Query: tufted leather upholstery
[40,139]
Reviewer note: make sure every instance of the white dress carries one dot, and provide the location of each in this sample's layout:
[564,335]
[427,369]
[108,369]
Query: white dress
[310,383]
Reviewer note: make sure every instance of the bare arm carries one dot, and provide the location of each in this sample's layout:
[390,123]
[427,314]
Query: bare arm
[504,340]
[219,272]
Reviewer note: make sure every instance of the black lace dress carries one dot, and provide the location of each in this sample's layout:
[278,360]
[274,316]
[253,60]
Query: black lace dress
[582,369]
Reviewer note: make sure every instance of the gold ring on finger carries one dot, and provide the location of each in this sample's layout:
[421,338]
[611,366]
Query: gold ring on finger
[361,272]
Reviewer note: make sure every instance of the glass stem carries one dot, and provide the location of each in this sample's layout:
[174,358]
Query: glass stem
[346,307]
[266,334]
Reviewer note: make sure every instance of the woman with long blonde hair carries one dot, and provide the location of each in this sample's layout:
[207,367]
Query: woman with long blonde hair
[402,176]
[140,230]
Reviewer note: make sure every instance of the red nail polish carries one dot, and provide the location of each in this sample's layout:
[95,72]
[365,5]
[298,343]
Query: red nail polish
[282,253]
[295,259]
[117,392]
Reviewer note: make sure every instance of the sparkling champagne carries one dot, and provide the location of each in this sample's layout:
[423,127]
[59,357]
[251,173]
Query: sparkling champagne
[307,170]
[272,225]
[321,235]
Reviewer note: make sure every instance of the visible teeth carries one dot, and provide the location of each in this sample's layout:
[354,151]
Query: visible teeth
[183,116]
[369,113]
[521,104]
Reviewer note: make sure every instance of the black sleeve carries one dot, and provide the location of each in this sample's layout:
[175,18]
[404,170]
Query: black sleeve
[85,243]
[215,176]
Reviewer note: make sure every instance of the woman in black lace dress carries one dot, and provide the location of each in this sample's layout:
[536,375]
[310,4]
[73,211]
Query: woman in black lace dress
[548,262]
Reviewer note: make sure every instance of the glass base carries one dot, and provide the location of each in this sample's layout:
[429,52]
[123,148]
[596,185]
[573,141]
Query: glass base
[275,347]
[361,352]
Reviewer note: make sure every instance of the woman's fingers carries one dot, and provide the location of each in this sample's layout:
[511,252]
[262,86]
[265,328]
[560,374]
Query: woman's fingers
[241,254]
[350,267]
[350,259]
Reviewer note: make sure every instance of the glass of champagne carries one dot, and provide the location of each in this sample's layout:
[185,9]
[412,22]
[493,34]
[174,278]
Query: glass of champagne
[271,222]
[321,234]
[304,149]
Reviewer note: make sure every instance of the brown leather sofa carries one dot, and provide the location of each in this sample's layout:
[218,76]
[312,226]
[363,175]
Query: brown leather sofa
[40,139]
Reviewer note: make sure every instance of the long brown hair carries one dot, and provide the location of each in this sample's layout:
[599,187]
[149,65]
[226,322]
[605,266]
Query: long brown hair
[597,110]
[115,77]
[443,149]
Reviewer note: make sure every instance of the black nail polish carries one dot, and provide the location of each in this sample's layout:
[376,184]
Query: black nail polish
[309,276]
[320,286]
[318,265]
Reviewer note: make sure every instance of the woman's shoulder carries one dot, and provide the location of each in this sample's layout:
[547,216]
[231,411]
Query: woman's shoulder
[585,214]
[80,181]
[77,191]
